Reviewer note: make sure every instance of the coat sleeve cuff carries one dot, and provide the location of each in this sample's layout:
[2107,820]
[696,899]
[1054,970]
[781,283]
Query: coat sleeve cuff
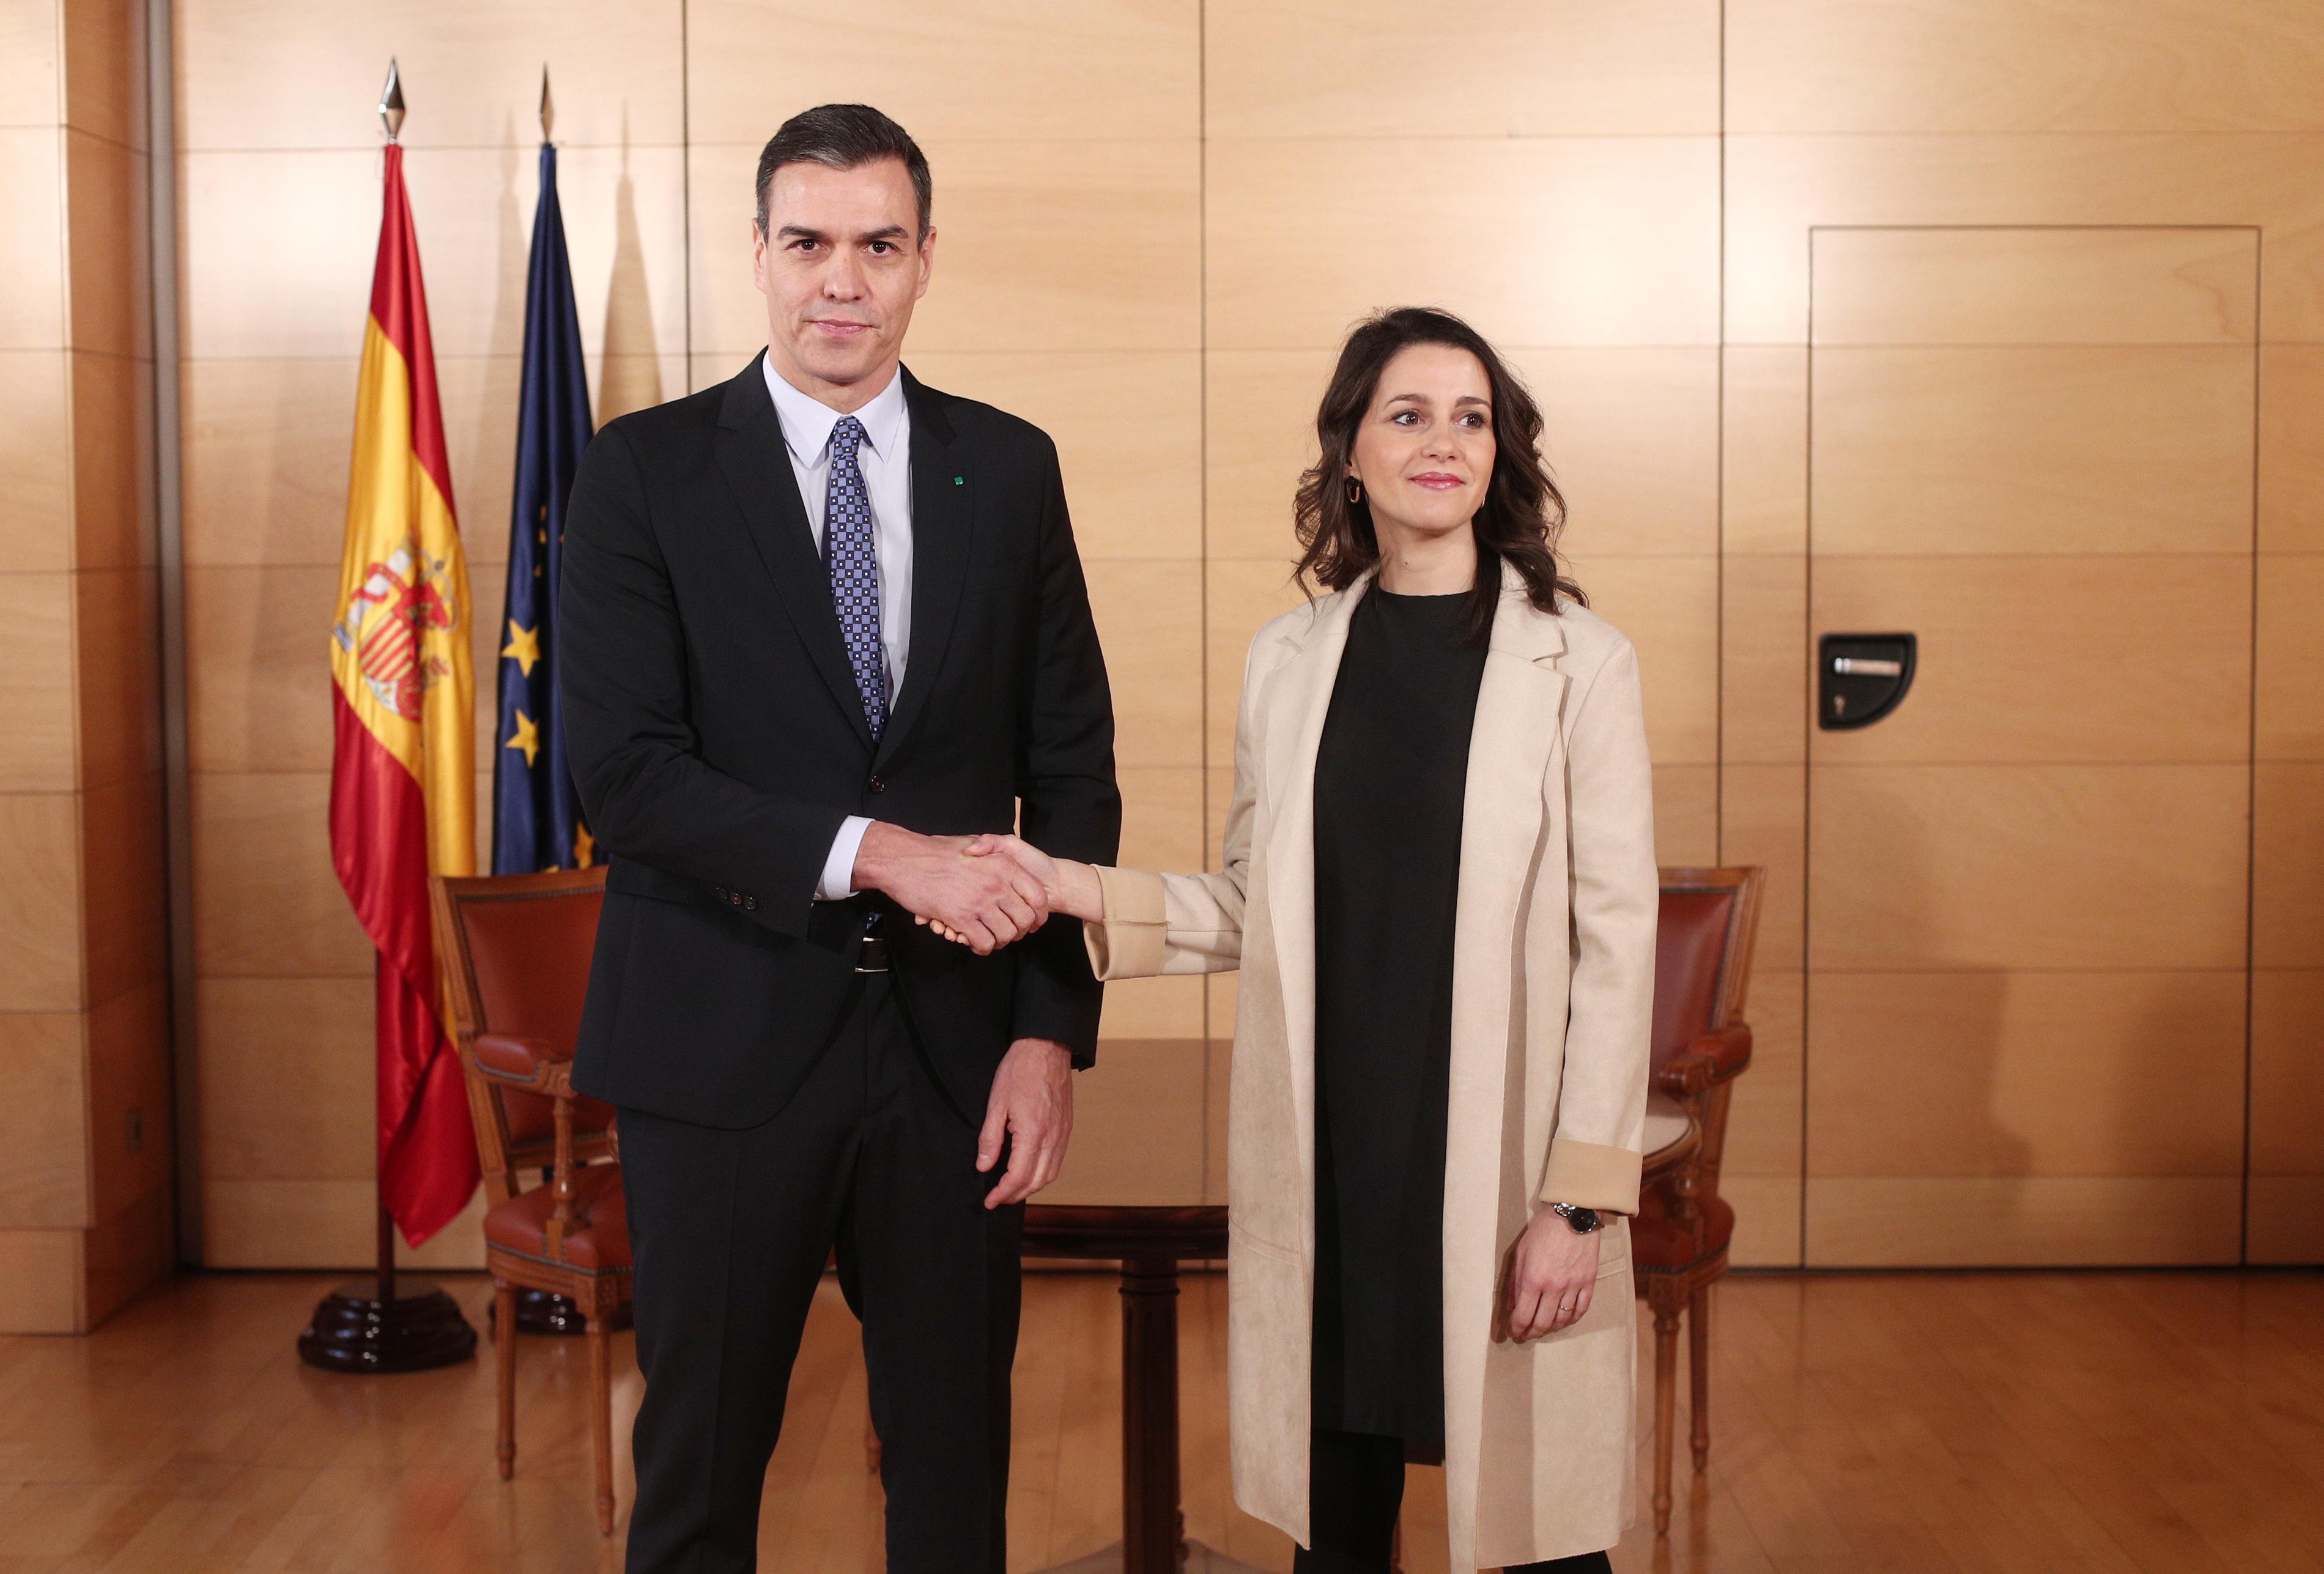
[1591,1175]
[1128,942]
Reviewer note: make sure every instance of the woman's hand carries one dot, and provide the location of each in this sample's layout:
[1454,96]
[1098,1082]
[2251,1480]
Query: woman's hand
[1069,887]
[1548,1280]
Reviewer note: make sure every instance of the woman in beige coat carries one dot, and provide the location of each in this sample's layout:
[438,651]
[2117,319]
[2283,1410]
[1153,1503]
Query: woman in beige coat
[1439,883]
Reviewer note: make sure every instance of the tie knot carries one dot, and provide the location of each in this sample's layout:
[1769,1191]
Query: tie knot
[846,437]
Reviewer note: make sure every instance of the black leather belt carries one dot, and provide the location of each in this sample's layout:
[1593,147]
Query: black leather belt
[873,957]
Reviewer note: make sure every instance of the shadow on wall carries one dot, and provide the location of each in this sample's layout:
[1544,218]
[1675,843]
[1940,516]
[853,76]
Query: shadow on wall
[630,377]
[1914,1058]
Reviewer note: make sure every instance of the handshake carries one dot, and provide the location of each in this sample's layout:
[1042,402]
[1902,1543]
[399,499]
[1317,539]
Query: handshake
[981,892]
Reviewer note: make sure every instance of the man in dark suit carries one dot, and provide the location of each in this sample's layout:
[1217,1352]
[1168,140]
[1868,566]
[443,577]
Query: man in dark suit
[821,623]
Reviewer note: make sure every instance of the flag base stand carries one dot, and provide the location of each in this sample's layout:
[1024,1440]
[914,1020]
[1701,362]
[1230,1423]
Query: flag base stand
[382,1324]
[416,1325]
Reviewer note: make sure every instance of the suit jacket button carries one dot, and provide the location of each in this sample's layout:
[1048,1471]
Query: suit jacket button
[879,784]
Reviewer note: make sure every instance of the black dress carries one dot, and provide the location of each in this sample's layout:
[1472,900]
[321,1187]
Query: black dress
[1390,773]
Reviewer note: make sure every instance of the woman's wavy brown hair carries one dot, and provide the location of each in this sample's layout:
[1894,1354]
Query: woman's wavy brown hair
[1523,514]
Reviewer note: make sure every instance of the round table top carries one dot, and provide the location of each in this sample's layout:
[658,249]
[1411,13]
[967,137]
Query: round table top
[1195,1231]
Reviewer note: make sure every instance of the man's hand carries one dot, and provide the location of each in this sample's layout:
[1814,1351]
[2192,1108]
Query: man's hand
[983,903]
[1032,1109]
[1067,886]
[1548,1280]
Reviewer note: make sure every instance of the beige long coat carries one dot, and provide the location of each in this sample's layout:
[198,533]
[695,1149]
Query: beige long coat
[1553,997]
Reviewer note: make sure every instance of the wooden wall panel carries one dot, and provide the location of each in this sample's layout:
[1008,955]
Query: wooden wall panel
[2087,1073]
[36,461]
[1043,70]
[1128,429]
[273,74]
[111,482]
[2286,1202]
[2036,286]
[2016,1221]
[1601,241]
[1989,64]
[2291,448]
[29,78]
[43,1122]
[38,718]
[2027,656]
[81,853]
[1979,476]
[32,244]
[1780,186]
[2047,448]
[2109,866]
[1669,608]
[1293,69]
[473,211]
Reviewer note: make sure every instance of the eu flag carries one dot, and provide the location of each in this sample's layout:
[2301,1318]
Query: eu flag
[536,813]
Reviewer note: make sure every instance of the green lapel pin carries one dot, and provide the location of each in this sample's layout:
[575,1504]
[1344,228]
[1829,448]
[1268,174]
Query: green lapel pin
[960,480]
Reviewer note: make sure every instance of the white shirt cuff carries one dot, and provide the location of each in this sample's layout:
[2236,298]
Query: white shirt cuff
[838,882]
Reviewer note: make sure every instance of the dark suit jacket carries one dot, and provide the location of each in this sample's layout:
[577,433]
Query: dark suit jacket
[717,741]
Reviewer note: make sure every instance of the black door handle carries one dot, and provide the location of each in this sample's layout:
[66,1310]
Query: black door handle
[1861,678]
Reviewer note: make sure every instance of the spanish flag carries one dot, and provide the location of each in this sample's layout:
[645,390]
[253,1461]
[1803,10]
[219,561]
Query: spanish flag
[403,761]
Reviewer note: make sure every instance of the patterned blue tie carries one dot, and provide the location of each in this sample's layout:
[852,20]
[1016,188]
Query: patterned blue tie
[854,569]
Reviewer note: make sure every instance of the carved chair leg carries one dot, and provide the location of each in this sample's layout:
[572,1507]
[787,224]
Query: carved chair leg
[1666,1411]
[601,1404]
[1698,1371]
[504,1360]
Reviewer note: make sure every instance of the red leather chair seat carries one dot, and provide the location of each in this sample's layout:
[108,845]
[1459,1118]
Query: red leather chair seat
[1659,1246]
[598,1239]
[531,1116]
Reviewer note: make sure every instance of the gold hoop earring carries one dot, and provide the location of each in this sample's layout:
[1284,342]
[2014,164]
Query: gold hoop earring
[1355,490]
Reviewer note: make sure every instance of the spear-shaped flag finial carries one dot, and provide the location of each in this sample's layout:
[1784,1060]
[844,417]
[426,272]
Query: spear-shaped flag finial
[548,109]
[391,101]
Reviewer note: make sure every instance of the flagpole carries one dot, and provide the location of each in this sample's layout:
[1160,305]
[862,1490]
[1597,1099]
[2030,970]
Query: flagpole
[361,1328]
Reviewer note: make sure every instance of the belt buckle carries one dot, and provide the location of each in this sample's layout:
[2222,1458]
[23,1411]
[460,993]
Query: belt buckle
[873,956]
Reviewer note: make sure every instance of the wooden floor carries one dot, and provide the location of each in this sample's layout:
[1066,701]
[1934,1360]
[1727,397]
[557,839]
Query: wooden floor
[2115,1421]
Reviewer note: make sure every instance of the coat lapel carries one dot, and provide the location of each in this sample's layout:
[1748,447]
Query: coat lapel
[944,529]
[758,471]
[1299,698]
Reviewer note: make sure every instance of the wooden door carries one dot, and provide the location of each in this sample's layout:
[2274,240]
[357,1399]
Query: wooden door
[2032,448]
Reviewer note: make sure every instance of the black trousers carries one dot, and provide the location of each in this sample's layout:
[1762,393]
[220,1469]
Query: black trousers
[1355,1484]
[729,1231]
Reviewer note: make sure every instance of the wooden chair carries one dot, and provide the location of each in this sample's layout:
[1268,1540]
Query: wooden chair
[514,954]
[1700,1044]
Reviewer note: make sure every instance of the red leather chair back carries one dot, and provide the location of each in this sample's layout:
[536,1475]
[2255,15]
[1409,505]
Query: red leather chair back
[515,950]
[528,954]
[1690,954]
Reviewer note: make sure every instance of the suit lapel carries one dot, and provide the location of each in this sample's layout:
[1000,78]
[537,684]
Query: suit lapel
[758,471]
[944,521]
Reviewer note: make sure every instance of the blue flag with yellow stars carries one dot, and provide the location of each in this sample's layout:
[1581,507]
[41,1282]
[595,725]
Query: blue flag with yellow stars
[536,813]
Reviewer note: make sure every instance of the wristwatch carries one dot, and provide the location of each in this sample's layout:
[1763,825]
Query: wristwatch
[1581,1220]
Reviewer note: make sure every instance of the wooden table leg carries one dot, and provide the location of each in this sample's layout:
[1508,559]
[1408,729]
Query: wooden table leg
[1153,1533]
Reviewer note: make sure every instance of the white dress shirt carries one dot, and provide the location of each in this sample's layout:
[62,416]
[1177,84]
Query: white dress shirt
[885,459]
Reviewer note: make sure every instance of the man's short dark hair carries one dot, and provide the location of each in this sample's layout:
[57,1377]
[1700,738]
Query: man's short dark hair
[843,136]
